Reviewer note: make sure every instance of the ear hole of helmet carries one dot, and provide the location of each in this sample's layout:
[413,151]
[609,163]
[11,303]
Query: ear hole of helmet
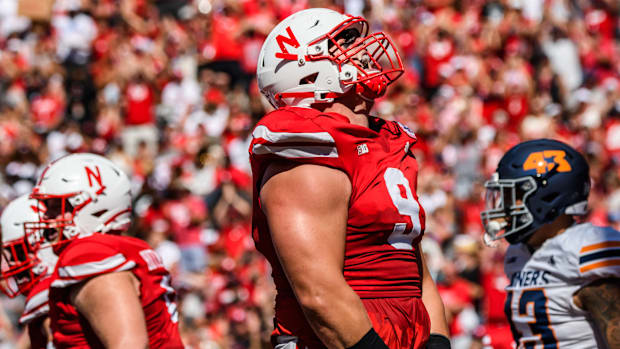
[309,79]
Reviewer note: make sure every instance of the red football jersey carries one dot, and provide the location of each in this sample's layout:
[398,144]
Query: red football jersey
[385,220]
[35,312]
[100,254]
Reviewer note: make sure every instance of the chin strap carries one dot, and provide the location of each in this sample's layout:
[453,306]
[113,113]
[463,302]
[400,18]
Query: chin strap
[325,97]
[369,90]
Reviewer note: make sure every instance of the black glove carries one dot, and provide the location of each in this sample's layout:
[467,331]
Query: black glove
[437,341]
[371,340]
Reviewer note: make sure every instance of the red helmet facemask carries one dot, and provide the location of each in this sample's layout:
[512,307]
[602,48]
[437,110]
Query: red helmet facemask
[56,219]
[20,267]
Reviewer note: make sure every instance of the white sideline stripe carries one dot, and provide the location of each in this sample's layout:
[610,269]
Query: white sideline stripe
[37,300]
[92,267]
[26,318]
[67,282]
[293,152]
[278,137]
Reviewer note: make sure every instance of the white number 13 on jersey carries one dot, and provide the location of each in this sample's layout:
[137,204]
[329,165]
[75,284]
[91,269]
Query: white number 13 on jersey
[395,181]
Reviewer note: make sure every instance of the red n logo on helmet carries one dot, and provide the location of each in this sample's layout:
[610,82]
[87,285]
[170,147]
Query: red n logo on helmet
[97,176]
[290,40]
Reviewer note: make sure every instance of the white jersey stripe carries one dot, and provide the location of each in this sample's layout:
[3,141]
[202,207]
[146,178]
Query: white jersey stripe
[169,299]
[64,283]
[294,152]
[263,132]
[60,283]
[27,317]
[36,301]
[92,267]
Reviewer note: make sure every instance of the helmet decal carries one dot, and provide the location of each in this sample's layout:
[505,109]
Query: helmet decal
[90,174]
[291,40]
[539,160]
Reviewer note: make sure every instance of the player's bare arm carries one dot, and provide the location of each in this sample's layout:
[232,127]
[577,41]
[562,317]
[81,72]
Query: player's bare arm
[432,301]
[121,325]
[306,207]
[600,299]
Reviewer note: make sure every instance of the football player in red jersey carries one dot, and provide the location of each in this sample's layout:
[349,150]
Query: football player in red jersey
[335,208]
[106,290]
[25,272]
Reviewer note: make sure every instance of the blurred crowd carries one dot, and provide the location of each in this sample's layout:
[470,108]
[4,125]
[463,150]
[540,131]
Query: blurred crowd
[167,89]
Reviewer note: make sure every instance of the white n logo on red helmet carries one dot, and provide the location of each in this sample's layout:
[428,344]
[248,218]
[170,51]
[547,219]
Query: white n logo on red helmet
[90,174]
[291,40]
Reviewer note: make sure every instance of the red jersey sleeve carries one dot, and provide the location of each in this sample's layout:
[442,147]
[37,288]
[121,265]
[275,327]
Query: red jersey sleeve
[37,301]
[84,259]
[297,135]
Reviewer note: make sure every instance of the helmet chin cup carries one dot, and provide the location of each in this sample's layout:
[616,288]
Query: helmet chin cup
[373,88]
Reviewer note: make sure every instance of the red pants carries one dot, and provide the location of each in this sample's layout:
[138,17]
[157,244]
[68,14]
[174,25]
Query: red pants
[402,323]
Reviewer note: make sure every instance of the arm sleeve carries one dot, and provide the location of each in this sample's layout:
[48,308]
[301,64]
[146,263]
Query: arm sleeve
[287,136]
[599,254]
[85,259]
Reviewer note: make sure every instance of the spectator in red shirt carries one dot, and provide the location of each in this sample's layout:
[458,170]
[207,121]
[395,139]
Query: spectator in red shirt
[139,116]
[47,109]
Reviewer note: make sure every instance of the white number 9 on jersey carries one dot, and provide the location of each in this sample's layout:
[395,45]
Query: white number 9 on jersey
[395,181]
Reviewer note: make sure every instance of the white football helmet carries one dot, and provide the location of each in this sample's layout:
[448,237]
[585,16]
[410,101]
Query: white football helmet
[83,194]
[316,55]
[21,266]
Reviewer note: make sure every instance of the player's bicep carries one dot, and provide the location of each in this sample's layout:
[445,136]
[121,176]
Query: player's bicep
[111,304]
[306,207]
[600,299]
